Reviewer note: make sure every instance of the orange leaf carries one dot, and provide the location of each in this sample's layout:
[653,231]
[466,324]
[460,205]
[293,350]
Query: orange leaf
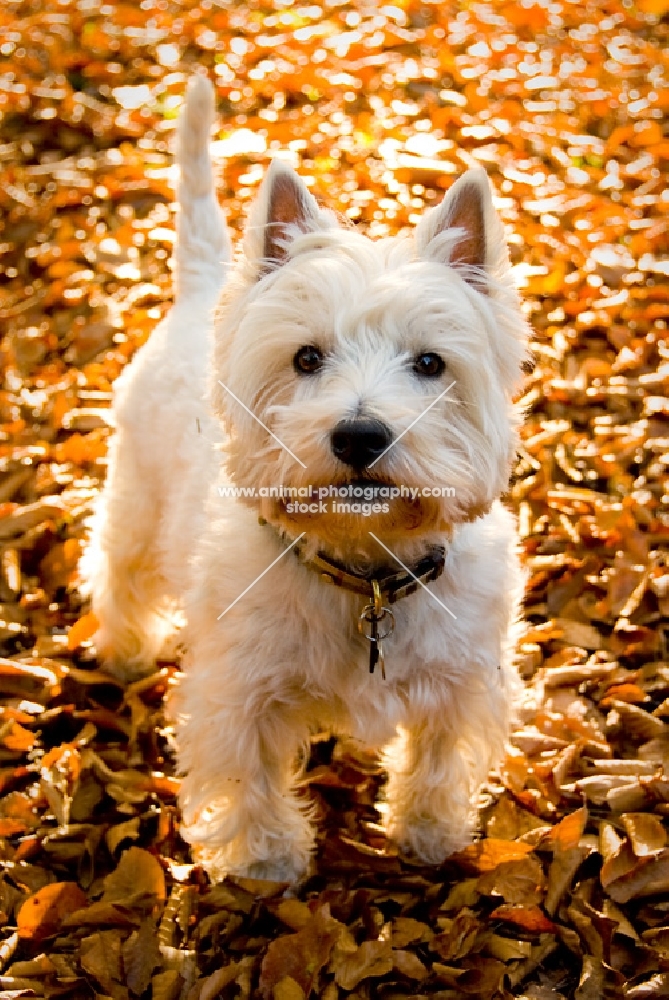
[18,738]
[82,630]
[568,832]
[631,693]
[530,918]
[486,855]
[42,914]
[658,7]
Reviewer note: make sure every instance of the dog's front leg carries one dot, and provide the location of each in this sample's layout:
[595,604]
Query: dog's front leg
[241,812]
[429,791]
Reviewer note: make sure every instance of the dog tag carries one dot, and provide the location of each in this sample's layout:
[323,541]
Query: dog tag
[375,623]
[375,651]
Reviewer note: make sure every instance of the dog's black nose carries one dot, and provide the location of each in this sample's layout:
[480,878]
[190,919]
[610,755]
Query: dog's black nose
[359,442]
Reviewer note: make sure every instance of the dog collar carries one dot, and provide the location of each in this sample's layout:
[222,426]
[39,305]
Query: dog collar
[393,584]
[375,621]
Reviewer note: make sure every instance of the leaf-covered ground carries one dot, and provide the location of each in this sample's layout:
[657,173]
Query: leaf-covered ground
[567,893]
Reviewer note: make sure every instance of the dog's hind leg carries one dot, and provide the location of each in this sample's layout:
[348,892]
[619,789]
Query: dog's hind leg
[136,565]
[121,569]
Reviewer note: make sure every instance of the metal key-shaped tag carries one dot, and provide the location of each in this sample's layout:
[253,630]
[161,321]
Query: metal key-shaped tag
[375,623]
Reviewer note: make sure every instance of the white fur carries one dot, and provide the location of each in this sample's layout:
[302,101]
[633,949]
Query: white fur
[263,670]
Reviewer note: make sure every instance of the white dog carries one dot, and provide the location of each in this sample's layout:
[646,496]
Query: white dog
[382,370]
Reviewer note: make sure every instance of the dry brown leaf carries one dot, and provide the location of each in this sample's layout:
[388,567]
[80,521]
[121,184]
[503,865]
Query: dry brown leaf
[516,881]
[508,821]
[288,989]
[123,831]
[102,915]
[141,955]
[507,949]
[371,960]
[409,965]
[562,869]
[406,930]
[457,937]
[302,955]
[595,929]
[101,958]
[463,894]
[137,876]
[591,984]
[294,913]
[648,876]
[646,832]
[166,985]
[211,987]
[639,795]
[655,986]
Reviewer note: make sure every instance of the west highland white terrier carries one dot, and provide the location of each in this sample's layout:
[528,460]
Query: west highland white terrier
[365,576]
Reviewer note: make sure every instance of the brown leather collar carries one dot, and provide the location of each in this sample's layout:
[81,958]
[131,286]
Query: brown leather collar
[394,584]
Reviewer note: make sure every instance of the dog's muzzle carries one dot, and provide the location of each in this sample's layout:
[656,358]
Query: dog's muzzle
[359,442]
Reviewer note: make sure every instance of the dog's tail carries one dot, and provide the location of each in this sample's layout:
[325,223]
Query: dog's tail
[203,248]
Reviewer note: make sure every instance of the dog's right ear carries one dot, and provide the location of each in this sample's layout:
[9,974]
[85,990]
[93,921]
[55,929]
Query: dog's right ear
[284,209]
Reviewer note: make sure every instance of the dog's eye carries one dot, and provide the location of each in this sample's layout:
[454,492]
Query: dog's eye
[428,364]
[308,360]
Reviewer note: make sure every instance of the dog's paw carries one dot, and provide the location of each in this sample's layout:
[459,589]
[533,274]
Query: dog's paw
[280,870]
[290,868]
[427,839]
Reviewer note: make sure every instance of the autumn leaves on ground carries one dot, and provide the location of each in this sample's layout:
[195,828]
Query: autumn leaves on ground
[567,893]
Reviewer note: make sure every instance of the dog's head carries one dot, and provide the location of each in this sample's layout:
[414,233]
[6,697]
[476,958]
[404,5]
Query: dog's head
[342,362]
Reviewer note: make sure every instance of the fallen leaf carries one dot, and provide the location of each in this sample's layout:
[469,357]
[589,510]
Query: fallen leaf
[561,871]
[42,914]
[371,960]
[568,832]
[528,918]
[288,989]
[409,965]
[300,956]
[486,855]
[458,936]
[406,930]
[137,876]
[83,629]
[649,876]
[140,955]
[101,958]
[646,832]
[516,881]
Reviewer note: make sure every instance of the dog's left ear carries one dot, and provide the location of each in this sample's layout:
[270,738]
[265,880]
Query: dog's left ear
[284,209]
[464,231]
